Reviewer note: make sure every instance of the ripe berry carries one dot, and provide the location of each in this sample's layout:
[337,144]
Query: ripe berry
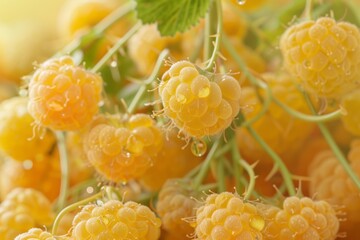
[122,149]
[23,209]
[323,55]
[64,96]
[284,133]
[226,216]
[330,182]
[116,220]
[197,106]
[350,103]
[175,204]
[171,154]
[301,218]
[17,136]
[37,234]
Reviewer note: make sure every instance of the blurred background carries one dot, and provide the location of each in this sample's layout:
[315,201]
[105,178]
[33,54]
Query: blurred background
[29,30]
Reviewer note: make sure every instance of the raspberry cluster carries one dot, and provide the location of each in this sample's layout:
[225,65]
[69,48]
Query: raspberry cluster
[64,96]
[116,220]
[323,55]
[197,106]
[122,149]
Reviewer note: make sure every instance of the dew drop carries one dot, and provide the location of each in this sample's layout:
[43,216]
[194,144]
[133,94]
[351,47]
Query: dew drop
[105,220]
[89,190]
[23,93]
[113,64]
[203,93]
[307,64]
[198,147]
[241,2]
[27,164]
[101,103]
[257,223]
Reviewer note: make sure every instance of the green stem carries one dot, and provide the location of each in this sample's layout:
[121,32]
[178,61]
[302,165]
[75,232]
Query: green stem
[277,160]
[113,17]
[309,118]
[71,208]
[334,147]
[307,10]
[252,177]
[98,29]
[265,107]
[219,27]
[206,164]
[220,174]
[207,32]
[81,186]
[208,187]
[242,65]
[102,62]
[236,157]
[148,81]
[64,166]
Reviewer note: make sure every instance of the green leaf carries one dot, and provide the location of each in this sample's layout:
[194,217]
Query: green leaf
[172,16]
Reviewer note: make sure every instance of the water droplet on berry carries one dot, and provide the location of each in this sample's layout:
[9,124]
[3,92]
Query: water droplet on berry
[204,92]
[27,164]
[23,93]
[198,147]
[257,223]
[241,2]
[105,220]
[89,190]
[181,98]
[307,64]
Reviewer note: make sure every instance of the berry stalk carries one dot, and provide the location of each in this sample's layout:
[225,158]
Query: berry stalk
[236,157]
[148,81]
[334,147]
[309,118]
[100,28]
[116,47]
[64,166]
[277,160]
[206,164]
[220,174]
[73,207]
[217,42]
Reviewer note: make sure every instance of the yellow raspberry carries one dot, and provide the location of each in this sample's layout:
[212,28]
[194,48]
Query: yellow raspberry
[171,154]
[36,234]
[197,106]
[330,182]
[123,149]
[78,16]
[116,220]
[21,210]
[63,96]
[175,206]
[17,136]
[284,133]
[226,216]
[350,104]
[323,55]
[42,174]
[301,219]
[144,48]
